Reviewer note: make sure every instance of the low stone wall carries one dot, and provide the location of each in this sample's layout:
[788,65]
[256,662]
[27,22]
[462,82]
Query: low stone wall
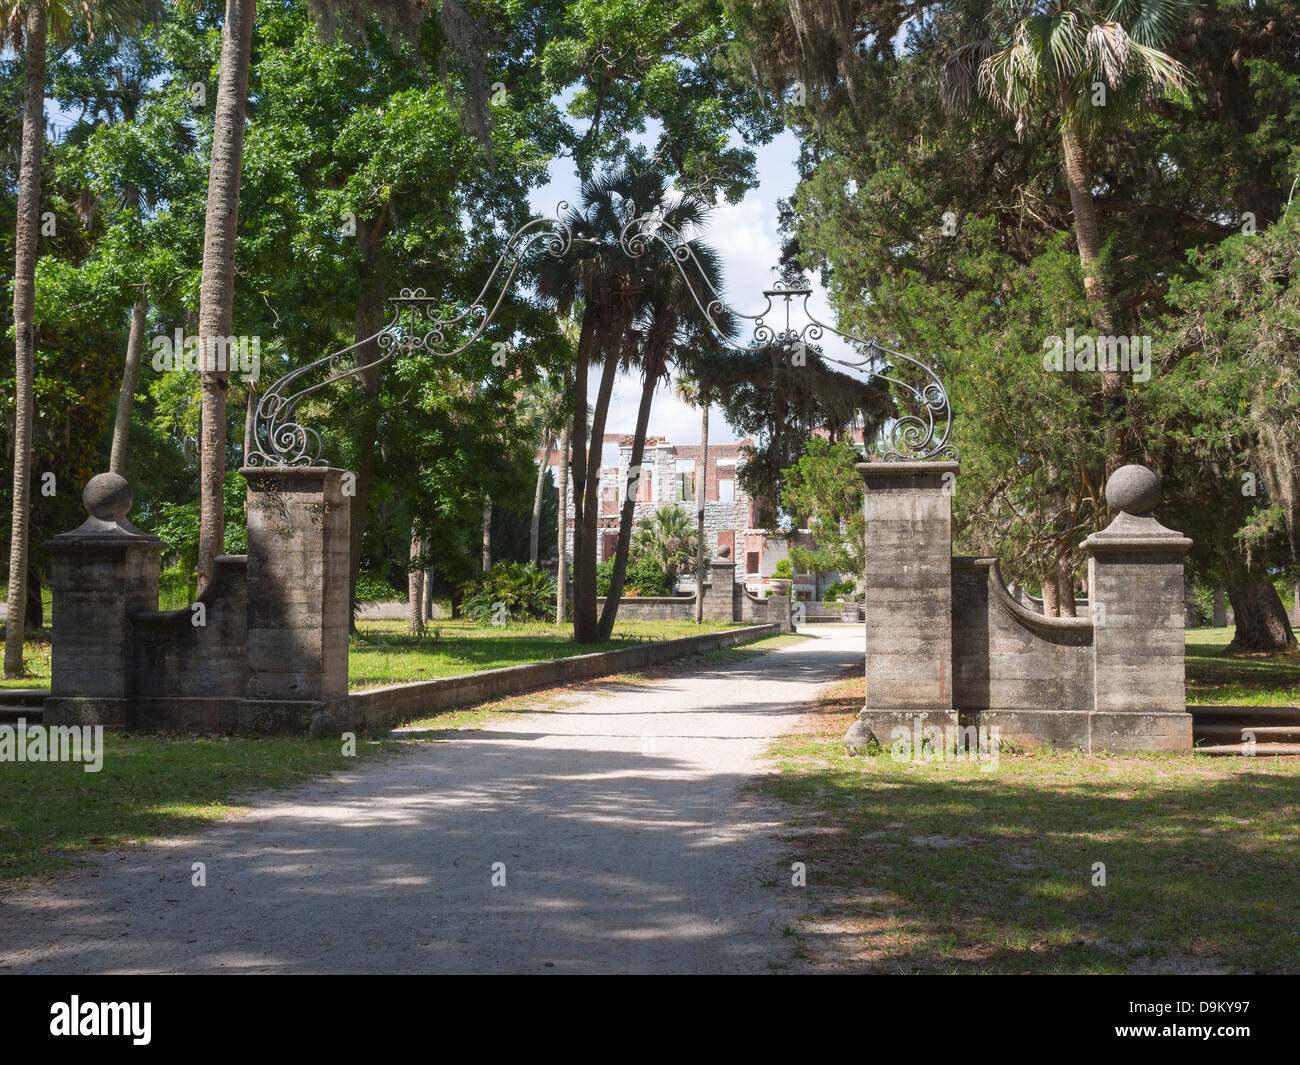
[384,707]
[657,608]
[1031,676]
[202,669]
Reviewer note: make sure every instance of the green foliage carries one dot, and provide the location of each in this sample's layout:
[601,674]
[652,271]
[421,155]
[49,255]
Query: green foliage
[372,588]
[524,592]
[839,590]
[176,587]
[824,494]
[644,577]
[783,570]
[668,541]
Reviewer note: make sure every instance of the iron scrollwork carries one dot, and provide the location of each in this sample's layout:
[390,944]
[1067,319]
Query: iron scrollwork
[281,439]
[923,432]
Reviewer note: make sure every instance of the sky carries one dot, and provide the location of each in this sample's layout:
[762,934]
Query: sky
[745,235]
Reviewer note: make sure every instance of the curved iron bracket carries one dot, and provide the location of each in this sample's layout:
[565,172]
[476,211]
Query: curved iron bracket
[280,439]
[923,433]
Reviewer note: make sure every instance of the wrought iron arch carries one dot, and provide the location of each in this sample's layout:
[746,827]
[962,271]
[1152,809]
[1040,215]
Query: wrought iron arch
[280,439]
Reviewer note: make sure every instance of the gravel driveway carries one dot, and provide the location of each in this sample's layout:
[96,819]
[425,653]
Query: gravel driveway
[623,836]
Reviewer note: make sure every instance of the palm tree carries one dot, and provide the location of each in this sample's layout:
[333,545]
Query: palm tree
[633,310]
[667,539]
[27,26]
[1088,66]
[693,390]
[217,287]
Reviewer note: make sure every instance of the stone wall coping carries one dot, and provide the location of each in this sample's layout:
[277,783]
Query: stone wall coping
[528,675]
[293,473]
[1031,619]
[905,469]
[1100,543]
[1140,532]
[101,532]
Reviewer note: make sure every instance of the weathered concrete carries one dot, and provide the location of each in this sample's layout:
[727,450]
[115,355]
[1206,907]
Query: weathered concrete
[907,594]
[395,703]
[1135,580]
[1110,680]
[298,602]
[103,571]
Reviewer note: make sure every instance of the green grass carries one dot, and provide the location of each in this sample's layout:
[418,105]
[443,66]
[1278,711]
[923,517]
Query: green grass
[1247,680]
[53,812]
[957,867]
[385,653]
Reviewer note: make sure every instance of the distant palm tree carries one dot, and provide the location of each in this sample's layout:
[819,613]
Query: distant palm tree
[635,314]
[1087,66]
[668,539]
[693,390]
[217,286]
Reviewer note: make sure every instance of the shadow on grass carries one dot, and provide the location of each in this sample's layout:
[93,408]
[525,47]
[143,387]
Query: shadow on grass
[149,786]
[958,868]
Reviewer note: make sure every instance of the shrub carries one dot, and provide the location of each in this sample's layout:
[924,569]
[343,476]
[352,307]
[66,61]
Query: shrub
[839,590]
[783,570]
[644,577]
[374,589]
[523,590]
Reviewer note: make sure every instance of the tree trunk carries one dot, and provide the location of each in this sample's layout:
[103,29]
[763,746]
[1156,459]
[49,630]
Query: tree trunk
[1088,235]
[131,368]
[535,529]
[586,623]
[126,397]
[414,586]
[217,286]
[1051,595]
[1065,586]
[701,495]
[427,610]
[562,535]
[1260,617]
[367,320]
[610,612]
[25,254]
[250,422]
[35,605]
[487,533]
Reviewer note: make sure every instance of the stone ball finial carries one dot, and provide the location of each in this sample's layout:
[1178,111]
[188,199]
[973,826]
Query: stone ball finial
[1133,489]
[107,496]
[724,552]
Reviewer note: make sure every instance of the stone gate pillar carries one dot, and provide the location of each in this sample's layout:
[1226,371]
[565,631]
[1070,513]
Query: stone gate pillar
[907,597]
[1135,589]
[103,571]
[298,596]
[720,600]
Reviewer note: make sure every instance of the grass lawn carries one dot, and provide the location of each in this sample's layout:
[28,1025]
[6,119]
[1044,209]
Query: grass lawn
[383,652]
[152,787]
[1252,680]
[963,867]
[149,787]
